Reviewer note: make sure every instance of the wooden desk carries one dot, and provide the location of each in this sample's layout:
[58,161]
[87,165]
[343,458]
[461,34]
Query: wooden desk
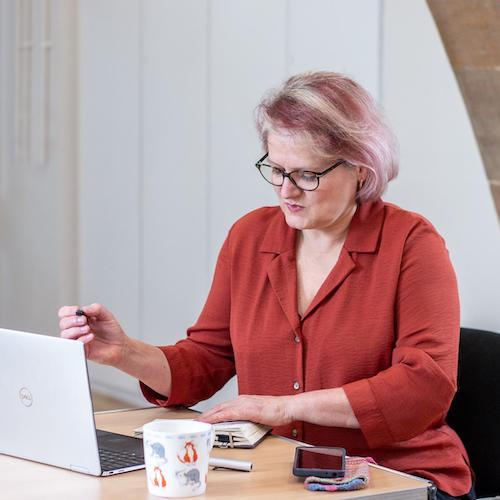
[271,476]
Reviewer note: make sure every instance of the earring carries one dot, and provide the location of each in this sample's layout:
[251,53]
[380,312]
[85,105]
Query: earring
[360,184]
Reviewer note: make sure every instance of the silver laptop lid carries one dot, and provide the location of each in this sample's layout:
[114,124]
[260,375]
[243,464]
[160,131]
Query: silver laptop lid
[46,409]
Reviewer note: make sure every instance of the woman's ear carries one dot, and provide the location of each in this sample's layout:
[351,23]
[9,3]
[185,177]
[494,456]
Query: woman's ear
[361,174]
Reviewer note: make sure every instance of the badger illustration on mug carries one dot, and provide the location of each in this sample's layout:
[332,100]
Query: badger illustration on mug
[189,477]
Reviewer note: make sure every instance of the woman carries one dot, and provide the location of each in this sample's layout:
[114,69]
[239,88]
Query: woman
[338,312]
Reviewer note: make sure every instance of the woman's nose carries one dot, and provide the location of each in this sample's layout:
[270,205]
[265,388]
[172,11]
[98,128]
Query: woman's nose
[289,189]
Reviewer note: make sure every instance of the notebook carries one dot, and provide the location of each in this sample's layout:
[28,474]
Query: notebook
[235,434]
[239,434]
[46,409]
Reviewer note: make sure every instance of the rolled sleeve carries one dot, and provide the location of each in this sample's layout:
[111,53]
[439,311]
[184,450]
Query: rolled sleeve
[368,412]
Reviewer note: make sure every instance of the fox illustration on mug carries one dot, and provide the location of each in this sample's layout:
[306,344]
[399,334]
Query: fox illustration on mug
[190,454]
[158,479]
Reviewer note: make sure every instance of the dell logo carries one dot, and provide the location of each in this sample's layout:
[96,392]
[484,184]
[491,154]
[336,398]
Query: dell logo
[25,396]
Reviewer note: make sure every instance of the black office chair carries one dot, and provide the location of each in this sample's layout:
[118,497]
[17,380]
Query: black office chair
[475,411]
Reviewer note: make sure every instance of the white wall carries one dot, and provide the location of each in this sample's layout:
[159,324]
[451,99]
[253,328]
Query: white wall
[109,166]
[38,250]
[167,140]
[442,176]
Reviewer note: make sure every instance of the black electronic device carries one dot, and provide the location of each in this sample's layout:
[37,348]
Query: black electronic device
[319,461]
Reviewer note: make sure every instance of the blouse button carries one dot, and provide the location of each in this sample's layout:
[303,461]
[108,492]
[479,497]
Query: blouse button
[296,386]
[297,339]
[294,433]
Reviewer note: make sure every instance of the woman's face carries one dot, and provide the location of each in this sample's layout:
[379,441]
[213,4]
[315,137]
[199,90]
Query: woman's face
[320,209]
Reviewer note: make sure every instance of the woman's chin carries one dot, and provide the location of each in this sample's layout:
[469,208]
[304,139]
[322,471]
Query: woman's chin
[295,221]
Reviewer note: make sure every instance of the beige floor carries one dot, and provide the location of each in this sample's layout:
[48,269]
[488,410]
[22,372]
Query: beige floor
[102,402]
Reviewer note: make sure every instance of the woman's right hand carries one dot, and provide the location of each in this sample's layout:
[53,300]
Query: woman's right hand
[104,339]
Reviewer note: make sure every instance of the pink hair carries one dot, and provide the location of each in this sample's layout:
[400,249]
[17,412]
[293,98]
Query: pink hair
[340,119]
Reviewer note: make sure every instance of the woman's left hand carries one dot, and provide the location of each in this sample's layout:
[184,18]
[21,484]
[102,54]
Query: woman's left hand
[269,410]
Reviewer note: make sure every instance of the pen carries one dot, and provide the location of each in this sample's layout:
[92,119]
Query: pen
[81,312]
[225,463]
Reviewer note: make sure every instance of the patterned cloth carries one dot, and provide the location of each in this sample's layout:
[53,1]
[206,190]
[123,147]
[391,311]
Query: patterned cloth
[357,477]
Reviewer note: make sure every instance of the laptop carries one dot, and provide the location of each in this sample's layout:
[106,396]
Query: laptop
[46,412]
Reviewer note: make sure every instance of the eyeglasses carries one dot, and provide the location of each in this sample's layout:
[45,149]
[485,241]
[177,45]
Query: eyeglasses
[303,179]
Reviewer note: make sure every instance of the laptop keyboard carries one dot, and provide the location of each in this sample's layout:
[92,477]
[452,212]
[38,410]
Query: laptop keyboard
[112,459]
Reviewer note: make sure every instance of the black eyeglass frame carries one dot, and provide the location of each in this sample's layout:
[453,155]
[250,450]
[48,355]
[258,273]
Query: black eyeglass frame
[288,175]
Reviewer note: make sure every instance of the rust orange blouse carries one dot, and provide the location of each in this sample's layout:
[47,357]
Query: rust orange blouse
[384,326]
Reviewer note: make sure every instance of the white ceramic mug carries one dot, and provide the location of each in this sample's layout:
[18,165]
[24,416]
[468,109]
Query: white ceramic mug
[176,454]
